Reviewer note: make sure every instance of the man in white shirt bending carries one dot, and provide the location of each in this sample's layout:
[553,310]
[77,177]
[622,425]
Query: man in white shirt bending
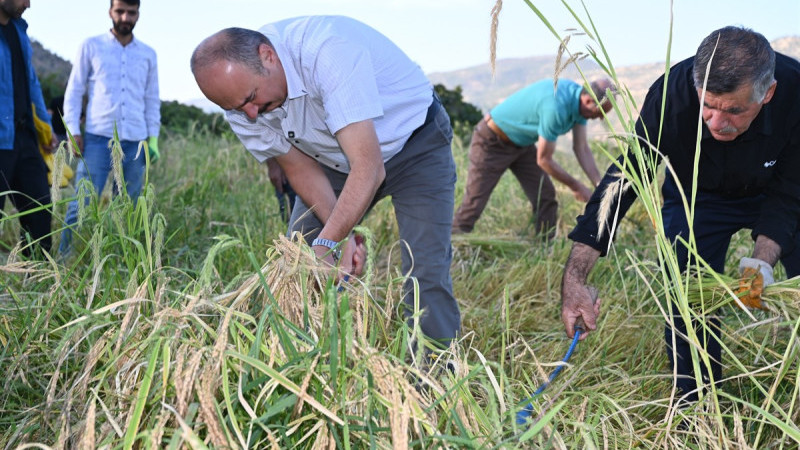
[350,119]
[120,76]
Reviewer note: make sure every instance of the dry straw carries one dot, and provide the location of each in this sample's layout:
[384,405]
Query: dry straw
[201,367]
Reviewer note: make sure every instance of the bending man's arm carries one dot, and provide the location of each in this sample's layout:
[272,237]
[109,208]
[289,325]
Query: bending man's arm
[576,298]
[359,142]
[339,216]
[312,184]
[580,146]
[544,157]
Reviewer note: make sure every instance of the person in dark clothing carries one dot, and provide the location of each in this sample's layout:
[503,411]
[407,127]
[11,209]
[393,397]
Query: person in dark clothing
[284,192]
[23,174]
[57,113]
[748,178]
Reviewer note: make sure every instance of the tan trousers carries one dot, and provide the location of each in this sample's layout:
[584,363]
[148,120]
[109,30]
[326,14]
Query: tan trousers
[489,157]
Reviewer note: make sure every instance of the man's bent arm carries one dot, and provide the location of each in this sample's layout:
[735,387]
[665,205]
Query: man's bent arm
[312,184]
[359,142]
[580,146]
[544,157]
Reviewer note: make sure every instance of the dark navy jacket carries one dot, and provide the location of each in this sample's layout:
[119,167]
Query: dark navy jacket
[7,88]
[765,159]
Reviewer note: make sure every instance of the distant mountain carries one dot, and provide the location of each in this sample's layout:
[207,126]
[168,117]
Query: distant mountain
[485,92]
[479,86]
[49,65]
[511,74]
[789,45]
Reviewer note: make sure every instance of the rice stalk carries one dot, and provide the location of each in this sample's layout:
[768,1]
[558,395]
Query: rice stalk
[495,14]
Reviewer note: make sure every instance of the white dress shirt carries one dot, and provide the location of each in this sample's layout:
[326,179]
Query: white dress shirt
[338,71]
[122,83]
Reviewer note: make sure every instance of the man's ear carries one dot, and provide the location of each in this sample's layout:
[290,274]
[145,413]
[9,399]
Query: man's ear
[770,93]
[267,55]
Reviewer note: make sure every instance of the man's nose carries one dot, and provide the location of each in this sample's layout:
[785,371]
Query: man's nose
[251,110]
[718,120]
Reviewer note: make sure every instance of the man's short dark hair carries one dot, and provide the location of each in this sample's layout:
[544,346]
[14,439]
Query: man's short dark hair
[738,56]
[130,2]
[237,45]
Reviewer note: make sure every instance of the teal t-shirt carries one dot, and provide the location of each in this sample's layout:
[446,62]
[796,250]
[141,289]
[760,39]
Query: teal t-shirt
[537,110]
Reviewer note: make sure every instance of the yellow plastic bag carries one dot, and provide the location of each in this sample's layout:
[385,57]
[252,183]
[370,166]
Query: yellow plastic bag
[45,136]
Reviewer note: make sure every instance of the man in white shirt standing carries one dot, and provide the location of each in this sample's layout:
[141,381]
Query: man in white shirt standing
[350,119]
[120,76]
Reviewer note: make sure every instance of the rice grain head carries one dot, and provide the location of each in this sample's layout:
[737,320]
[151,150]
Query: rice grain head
[498,6]
[613,192]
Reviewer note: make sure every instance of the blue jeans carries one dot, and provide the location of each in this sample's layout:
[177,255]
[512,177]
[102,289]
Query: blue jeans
[96,165]
[716,220]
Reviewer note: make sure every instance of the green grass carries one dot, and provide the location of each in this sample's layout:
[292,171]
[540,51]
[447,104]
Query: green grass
[186,320]
[181,321]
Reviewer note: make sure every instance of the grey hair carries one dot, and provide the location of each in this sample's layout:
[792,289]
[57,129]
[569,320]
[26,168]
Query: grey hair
[601,89]
[738,56]
[238,45]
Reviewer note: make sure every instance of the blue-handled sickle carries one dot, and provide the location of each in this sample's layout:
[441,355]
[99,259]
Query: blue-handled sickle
[580,327]
[525,413]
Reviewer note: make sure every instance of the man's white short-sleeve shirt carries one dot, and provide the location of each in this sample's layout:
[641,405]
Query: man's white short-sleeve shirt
[338,71]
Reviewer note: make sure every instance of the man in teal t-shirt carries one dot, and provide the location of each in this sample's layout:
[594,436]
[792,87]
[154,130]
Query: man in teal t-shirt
[520,134]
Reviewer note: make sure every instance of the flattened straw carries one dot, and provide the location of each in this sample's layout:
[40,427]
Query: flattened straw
[88,441]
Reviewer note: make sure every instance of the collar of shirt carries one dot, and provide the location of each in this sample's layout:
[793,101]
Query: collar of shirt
[111,37]
[294,83]
[321,101]
[292,119]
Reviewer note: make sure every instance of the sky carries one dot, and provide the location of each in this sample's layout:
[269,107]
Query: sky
[440,35]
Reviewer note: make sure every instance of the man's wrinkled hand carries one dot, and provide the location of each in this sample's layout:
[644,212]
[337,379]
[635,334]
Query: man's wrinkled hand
[352,260]
[76,145]
[582,194]
[354,256]
[53,145]
[579,306]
